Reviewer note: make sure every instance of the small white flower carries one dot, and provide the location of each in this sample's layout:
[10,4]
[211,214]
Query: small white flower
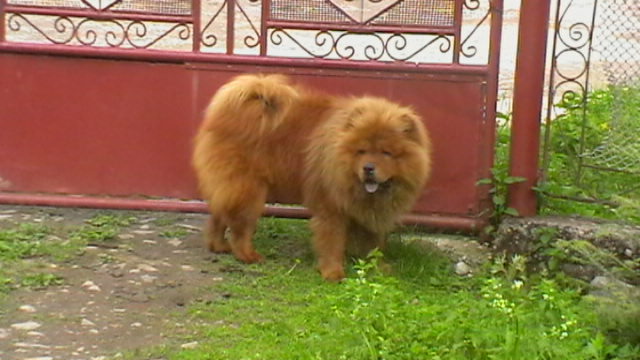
[517,284]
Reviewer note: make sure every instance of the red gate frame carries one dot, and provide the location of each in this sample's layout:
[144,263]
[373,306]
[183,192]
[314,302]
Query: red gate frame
[28,58]
[527,105]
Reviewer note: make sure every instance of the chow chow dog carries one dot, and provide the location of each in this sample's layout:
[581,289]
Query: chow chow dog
[357,163]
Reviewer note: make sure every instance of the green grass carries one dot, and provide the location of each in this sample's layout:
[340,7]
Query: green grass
[111,219]
[41,280]
[412,307]
[22,250]
[102,227]
[166,220]
[24,241]
[33,241]
[175,232]
[25,247]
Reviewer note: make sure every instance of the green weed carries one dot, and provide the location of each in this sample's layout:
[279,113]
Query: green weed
[176,232]
[500,179]
[41,280]
[499,182]
[105,219]
[40,242]
[164,221]
[102,227]
[24,241]
[35,242]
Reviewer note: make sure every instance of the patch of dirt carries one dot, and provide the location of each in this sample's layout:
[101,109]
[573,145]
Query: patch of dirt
[117,296]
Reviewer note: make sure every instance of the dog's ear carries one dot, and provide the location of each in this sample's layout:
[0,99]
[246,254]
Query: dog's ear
[351,116]
[411,126]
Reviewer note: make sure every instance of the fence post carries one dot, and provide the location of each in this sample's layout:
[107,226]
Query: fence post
[2,16]
[231,24]
[196,22]
[527,103]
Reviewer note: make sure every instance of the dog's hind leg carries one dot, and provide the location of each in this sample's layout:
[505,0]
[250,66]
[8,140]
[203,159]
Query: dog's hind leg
[242,222]
[214,235]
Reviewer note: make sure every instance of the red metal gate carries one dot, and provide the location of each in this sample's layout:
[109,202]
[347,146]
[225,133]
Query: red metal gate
[99,99]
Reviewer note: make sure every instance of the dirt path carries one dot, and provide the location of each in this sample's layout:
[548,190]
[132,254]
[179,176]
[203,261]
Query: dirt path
[118,296]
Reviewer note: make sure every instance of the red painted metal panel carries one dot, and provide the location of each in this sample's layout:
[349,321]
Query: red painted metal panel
[133,135]
[182,57]
[95,126]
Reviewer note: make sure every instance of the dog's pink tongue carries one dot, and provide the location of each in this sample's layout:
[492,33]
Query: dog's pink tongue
[371,187]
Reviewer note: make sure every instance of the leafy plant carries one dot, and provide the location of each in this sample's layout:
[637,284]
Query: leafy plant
[41,280]
[499,188]
[500,180]
[24,241]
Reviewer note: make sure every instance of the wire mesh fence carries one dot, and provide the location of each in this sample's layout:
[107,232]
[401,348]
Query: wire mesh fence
[618,32]
[592,144]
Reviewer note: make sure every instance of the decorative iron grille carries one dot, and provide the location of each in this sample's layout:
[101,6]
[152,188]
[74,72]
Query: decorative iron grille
[387,31]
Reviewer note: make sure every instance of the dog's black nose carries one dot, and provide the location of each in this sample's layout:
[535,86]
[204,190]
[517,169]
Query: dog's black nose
[369,168]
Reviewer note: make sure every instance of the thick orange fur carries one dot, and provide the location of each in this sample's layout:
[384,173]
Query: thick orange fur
[356,163]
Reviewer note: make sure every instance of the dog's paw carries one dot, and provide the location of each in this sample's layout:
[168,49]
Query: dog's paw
[250,257]
[334,274]
[219,247]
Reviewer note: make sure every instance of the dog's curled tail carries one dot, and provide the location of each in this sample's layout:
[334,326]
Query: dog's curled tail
[251,105]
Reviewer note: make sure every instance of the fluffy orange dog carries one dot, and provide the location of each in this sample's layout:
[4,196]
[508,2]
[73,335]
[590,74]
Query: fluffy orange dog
[356,163]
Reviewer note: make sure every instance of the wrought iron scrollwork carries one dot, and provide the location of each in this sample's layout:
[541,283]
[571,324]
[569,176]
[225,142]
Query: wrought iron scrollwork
[63,26]
[209,38]
[91,32]
[253,39]
[570,82]
[371,46]
[468,49]
[400,43]
[209,35]
[183,31]
[568,85]
[324,40]
[471,4]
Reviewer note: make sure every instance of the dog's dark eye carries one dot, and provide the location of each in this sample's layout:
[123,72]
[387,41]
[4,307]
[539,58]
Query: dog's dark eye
[386,153]
[360,152]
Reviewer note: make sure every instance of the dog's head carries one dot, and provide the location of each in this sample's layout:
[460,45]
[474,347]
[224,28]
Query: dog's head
[386,142]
